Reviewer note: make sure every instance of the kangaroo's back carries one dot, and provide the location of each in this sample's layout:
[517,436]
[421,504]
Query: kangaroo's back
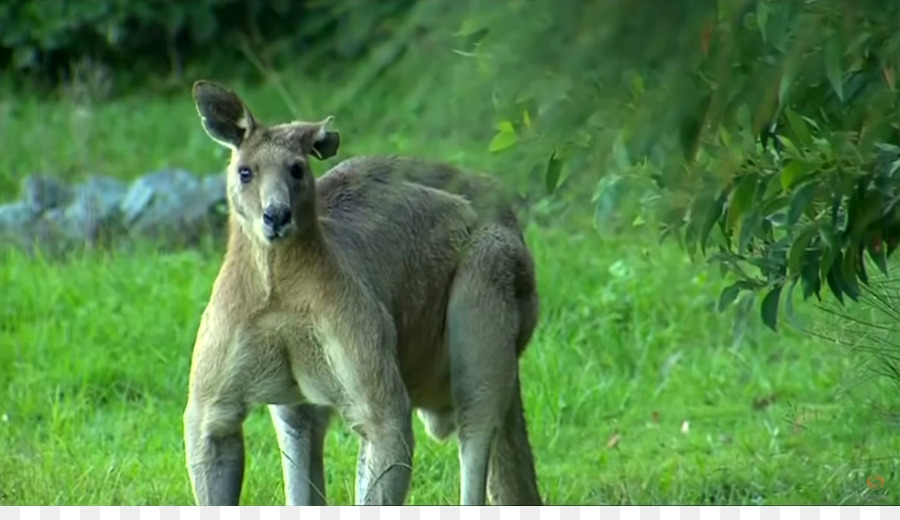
[402,221]
[484,194]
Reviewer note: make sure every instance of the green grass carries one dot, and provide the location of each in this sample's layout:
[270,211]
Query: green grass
[94,354]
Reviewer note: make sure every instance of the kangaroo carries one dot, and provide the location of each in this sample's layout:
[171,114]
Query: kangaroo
[388,285]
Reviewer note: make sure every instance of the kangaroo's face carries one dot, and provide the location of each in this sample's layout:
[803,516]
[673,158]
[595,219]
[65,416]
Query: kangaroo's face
[271,188]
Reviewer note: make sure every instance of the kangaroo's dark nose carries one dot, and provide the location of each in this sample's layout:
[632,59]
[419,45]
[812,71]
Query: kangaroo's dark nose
[277,216]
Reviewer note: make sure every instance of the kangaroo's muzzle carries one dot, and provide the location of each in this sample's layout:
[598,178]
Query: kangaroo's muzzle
[277,220]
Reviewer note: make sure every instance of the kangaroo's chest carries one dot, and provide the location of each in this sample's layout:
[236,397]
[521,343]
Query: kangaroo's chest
[289,361]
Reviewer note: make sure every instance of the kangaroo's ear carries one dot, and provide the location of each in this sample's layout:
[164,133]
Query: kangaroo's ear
[224,116]
[325,142]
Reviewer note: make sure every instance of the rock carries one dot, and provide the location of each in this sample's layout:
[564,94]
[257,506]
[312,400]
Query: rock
[42,193]
[215,192]
[172,205]
[214,188]
[94,211]
[40,222]
[17,222]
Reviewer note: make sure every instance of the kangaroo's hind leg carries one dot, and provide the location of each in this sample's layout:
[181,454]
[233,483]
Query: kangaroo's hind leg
[511,475]
[485,329]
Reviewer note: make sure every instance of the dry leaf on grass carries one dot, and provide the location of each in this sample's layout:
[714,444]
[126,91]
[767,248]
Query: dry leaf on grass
[613,441]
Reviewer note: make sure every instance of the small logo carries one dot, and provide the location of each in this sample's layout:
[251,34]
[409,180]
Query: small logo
[875,481]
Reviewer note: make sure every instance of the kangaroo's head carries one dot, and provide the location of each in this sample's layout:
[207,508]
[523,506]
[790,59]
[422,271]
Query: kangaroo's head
[271,188]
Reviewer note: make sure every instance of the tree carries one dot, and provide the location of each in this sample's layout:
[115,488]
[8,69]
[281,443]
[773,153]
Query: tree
[768,130]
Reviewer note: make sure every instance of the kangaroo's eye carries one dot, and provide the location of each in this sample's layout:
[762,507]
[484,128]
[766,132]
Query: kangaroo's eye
[297,171]
[245,174]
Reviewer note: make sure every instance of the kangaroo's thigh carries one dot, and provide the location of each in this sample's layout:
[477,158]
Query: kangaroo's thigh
[483,322]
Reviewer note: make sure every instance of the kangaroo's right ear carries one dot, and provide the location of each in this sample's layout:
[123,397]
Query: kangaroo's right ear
[224,116]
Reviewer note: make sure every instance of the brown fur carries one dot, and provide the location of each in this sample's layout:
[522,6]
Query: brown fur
[389,284]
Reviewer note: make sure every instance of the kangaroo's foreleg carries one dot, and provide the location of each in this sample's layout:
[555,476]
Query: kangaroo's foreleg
[378,408]
[213,419]
[362,470]
[301,438]
[384,468]
[214,448]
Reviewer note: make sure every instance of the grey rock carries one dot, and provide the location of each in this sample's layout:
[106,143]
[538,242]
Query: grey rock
[94,211]
[215,193]
[42,193]
[214,188]
[105,194]
[15,214]
[172,205]
[17,223]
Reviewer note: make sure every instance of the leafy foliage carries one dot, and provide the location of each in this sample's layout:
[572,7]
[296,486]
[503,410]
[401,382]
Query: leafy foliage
[45,37]
[817,192]
[765,133]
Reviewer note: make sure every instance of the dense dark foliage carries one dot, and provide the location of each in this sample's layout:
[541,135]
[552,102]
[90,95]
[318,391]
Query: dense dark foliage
[42,39]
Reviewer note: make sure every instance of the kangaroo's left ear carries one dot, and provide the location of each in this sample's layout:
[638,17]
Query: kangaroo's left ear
[225,117]
[325,142]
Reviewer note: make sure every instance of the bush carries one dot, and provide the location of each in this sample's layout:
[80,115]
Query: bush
[43,38]
[762,131]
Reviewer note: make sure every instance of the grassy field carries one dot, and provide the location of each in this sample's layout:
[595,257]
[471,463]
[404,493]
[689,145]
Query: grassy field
[635,392]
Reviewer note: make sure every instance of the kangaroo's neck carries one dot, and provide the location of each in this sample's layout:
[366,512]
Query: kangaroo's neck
[301,257]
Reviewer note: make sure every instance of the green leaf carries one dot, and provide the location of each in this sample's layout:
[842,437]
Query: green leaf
[607,197]
[799,248]
[833,66]
[769,307]
[800,200]
[860,264]
[728,295]
[741,199]
[833,278]
[809,276]
[787,79]
[506,137]
[691,126]
[554,168]
[789,306]
[801,130]
[794,172]
[470,26]
[637,87]
[848,276]
[789,147]
[750,226]
[773,206]
[741,315]
[712,216]
[506,127]
[828,238]
[875,246]
[620,152]
[762,18]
